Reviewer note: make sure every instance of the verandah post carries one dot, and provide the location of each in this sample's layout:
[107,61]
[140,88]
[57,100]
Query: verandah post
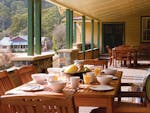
[67,28]
[92,34]
[30,50]
[37,26]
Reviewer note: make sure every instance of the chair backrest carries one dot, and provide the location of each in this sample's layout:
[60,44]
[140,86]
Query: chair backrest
[96,62]
[109,50]
[24,73]
[120,53]
[13,75]
[5,82]
[39,104]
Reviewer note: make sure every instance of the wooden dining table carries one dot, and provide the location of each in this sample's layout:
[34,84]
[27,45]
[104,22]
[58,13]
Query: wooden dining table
[88,97]
[83,96]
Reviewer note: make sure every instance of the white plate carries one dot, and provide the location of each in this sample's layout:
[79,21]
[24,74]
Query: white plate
[32,87]
[101,88]
[113,77]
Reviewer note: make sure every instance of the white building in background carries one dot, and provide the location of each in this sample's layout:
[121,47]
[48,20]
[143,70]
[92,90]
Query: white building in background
[20,44]
[5,44]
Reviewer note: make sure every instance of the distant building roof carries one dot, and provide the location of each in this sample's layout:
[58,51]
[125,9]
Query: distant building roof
[20,40]
[6,41]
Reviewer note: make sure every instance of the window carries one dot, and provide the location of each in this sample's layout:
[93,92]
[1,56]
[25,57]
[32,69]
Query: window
[145,29]
[4,47]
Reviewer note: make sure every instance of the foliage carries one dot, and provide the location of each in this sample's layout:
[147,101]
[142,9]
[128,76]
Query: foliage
[50,18]
[60,34]
[18,7]
[13,17]
[19,23]
[4,16]
[54,45]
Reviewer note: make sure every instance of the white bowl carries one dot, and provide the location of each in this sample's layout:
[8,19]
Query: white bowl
[39,77]
[52,77]
[57,86]
[109,71]
[104,79]
[54,70]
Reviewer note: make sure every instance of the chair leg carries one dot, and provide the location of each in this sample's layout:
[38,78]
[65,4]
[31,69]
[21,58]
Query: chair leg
[76,109]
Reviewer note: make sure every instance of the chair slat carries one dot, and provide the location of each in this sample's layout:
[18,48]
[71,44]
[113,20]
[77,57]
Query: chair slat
[13,75]
[96,62]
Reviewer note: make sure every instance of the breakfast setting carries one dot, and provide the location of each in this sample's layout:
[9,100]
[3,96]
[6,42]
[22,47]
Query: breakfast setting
[76,76]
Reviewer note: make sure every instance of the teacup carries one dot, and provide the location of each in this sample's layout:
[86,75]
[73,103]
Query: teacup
[74,82]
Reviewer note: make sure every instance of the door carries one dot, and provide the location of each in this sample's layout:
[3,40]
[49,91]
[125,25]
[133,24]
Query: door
[112,34]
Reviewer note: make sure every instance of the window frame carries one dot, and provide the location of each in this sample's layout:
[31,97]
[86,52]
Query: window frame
[145,29]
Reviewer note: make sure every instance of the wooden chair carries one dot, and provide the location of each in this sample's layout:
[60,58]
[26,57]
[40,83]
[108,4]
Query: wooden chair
[5,85]
[39,104]
[24,73]
[123,55]
[126,107]
[96,62]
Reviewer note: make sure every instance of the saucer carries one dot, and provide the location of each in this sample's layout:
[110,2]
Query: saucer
[101,88]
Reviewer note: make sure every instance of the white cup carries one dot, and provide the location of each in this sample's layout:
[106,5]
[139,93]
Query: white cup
[74,82]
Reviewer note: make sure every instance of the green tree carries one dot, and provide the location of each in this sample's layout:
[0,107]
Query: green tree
[4,17]
[59,33]
[8,2]
[19,23]
[18,7]
[50,18]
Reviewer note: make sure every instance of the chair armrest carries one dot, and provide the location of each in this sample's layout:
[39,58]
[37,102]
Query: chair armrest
[126,84]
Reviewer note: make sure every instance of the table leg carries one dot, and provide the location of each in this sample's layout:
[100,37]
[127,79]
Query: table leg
[135,59]
[109,107]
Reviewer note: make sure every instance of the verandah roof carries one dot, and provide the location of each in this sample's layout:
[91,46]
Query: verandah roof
[104,9]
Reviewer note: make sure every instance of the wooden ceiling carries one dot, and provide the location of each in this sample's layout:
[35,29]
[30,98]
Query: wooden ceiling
[104,9]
